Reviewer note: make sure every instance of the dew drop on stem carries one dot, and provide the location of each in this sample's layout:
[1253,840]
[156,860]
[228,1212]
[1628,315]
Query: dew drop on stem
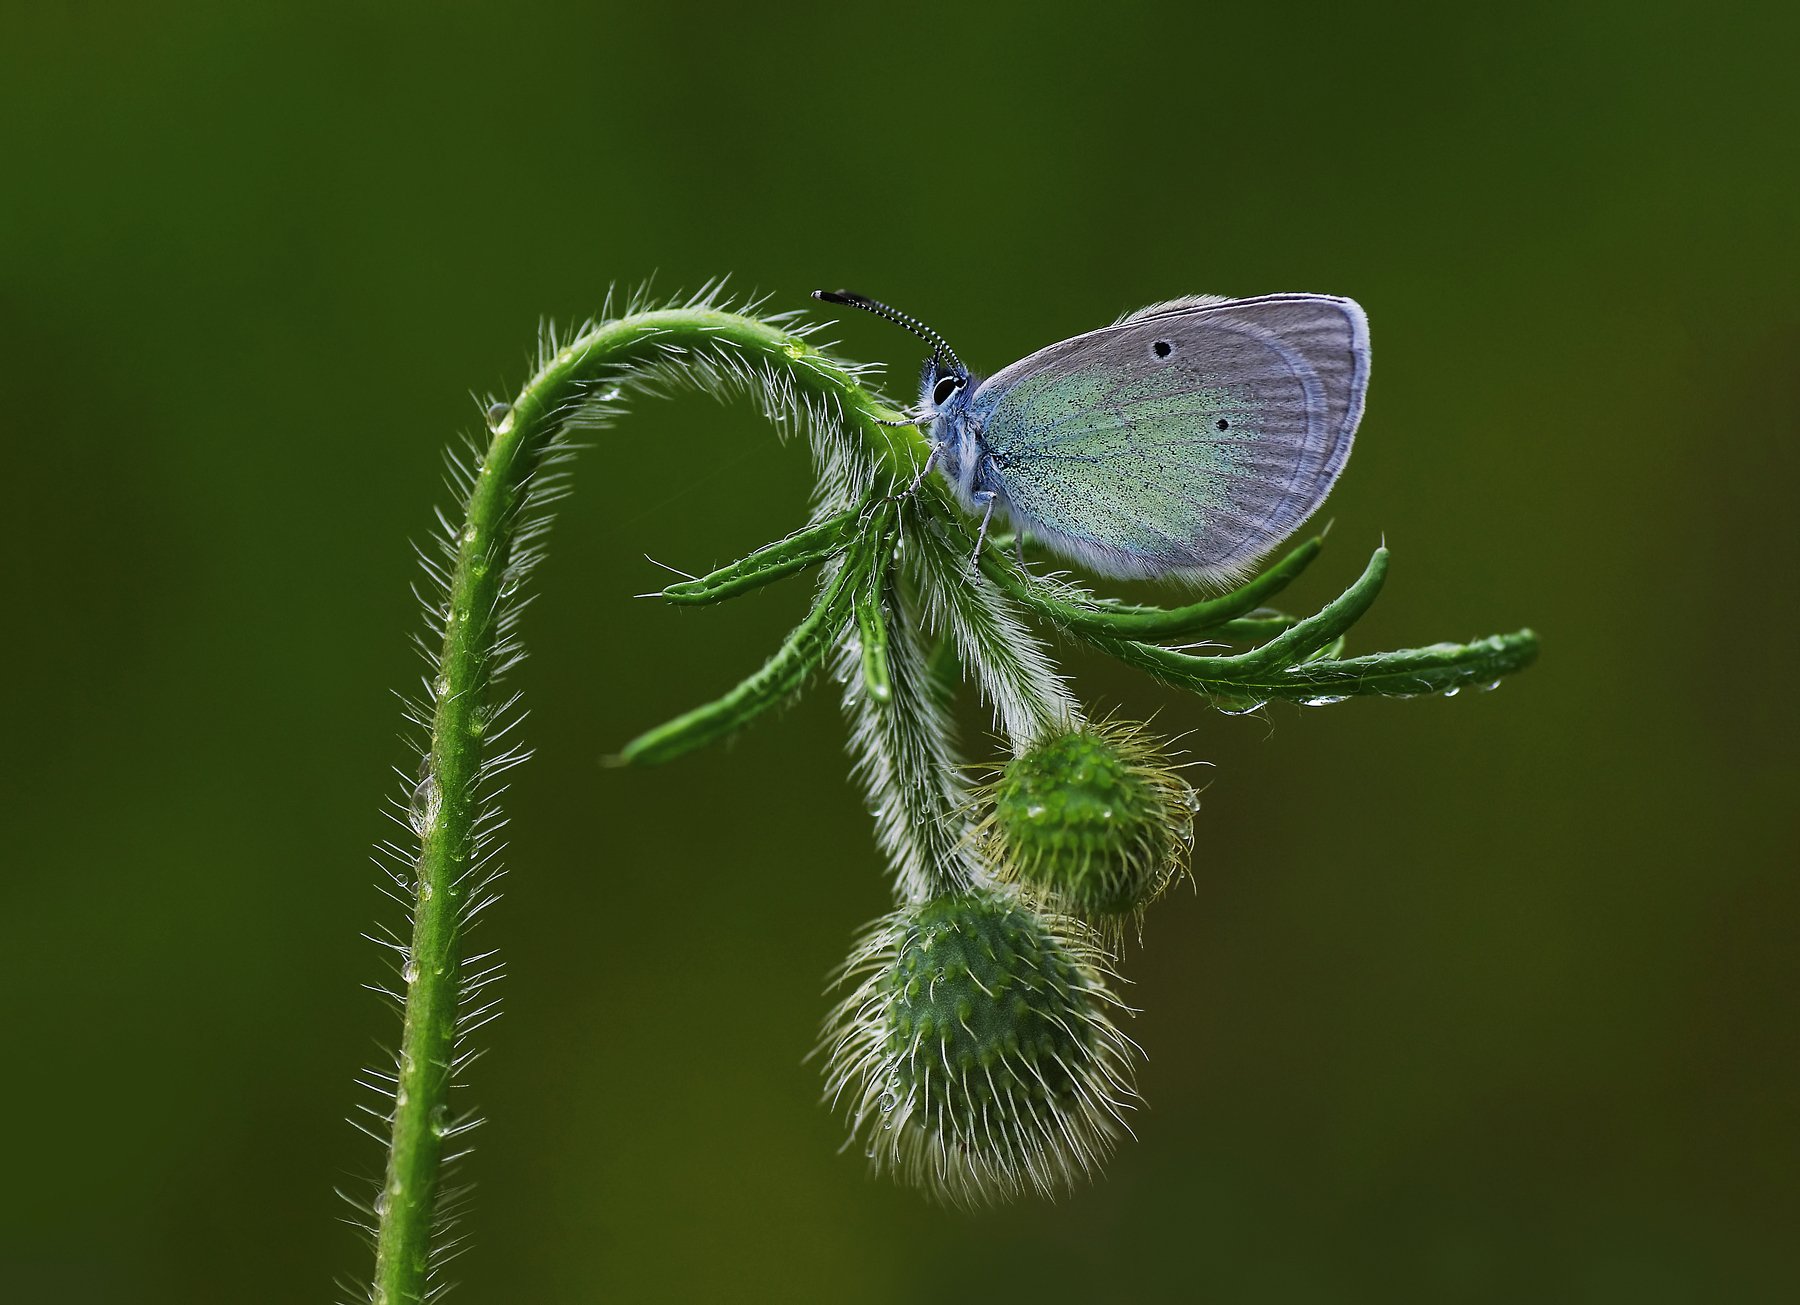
[422,810]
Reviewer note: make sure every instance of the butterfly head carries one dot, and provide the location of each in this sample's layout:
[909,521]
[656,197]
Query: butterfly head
[945,389]
[946,380]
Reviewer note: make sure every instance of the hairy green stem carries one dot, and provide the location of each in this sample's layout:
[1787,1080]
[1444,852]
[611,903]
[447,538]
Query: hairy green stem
[446,806]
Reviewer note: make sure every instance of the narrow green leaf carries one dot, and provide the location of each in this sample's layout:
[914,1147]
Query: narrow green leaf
[1316,631]
[871,630]
[1408,672]
[799,655]
[766,565]
[1128,621]
[1255,628]
[1330,651]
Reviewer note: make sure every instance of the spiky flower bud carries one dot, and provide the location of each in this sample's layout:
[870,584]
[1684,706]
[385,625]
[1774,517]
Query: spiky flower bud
[978,1052]
[1095,819]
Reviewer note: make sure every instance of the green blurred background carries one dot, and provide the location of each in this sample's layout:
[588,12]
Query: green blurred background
[1482,1000]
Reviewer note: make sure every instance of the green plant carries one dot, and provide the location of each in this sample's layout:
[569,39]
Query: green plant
[982,1030]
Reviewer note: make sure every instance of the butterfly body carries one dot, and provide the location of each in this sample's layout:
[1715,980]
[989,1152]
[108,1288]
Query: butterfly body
[1183,441]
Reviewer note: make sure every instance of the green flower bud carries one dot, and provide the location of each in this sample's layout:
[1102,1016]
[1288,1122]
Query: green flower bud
[1095,819]
[977,1053]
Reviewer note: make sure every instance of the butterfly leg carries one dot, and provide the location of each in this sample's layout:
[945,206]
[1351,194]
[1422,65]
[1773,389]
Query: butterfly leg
[987,496]
[924,471]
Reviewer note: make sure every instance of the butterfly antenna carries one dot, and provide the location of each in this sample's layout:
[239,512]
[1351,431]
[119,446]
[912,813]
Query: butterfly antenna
[937,342]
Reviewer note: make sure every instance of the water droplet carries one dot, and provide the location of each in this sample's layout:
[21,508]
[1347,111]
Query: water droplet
[1490,686]
[422,811]
[409,972]
[425,890]
[381,1203]
[440,1120]
[1326,700]
[440,686]
[497,414]
[1453,690]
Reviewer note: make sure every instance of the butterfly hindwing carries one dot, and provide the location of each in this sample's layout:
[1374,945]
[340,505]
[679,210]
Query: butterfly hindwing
[1189,437]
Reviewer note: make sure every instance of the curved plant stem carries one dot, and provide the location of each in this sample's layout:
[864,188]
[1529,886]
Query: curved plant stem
[446,811]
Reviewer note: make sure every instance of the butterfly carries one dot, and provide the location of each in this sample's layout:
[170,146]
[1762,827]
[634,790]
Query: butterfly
[1184,441]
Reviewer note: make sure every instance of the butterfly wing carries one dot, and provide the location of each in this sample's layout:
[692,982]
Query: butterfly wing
[1186,439]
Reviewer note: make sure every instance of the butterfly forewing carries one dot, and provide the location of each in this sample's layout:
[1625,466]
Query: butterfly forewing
[1189,437]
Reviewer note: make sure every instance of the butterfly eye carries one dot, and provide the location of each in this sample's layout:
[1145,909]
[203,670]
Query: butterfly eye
[941,392]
